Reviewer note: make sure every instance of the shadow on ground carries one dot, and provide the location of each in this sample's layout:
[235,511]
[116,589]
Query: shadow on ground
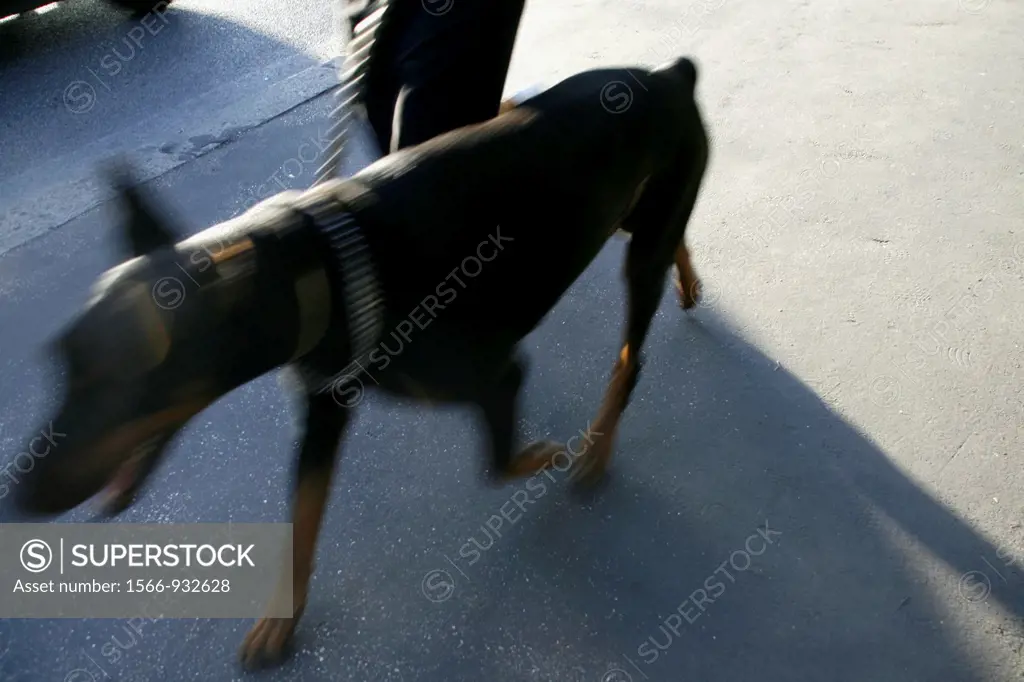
[720,452]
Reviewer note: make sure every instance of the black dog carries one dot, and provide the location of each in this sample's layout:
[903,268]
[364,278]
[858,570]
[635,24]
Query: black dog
[473,237]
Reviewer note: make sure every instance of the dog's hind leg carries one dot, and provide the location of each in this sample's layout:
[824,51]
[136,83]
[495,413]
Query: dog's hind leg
[658,225]
[688,284]
[325,423]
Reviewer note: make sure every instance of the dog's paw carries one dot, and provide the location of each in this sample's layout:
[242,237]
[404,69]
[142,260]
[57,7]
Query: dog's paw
[590,467]
[689,294]
[528,461]
[267,643]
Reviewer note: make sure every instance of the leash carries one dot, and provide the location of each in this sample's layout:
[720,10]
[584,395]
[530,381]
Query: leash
[359,292]
[353,72]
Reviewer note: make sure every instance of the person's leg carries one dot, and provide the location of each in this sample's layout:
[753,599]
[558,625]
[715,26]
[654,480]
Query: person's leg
[380,87]
[370,63]
[434,66]
[436,72]
[452,68]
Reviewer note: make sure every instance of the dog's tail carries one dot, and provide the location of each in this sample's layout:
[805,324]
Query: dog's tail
[685,69]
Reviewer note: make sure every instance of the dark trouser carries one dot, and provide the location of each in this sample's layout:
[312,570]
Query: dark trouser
[440,65]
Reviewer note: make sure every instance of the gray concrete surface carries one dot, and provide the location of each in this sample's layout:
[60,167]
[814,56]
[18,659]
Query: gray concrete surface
[86,81]
[853,383]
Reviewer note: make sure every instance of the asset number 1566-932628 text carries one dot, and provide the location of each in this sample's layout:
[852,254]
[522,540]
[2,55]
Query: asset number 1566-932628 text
[214,585]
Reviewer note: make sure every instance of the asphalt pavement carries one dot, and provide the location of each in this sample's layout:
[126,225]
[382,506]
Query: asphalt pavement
[834,437]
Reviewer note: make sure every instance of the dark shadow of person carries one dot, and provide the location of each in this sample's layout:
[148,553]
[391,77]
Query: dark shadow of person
[746,530]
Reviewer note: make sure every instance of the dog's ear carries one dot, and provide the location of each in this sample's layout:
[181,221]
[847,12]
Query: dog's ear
[145,232]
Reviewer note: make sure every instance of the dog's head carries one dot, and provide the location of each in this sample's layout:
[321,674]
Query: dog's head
[131,375]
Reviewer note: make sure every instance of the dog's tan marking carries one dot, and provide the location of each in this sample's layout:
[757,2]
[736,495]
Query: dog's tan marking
[269,637]
[128,439]
[531,459]
[233,262]
[232,250]
[592,464]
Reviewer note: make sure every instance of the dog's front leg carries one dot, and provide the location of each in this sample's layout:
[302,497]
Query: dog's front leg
[324,426]
[499,405]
